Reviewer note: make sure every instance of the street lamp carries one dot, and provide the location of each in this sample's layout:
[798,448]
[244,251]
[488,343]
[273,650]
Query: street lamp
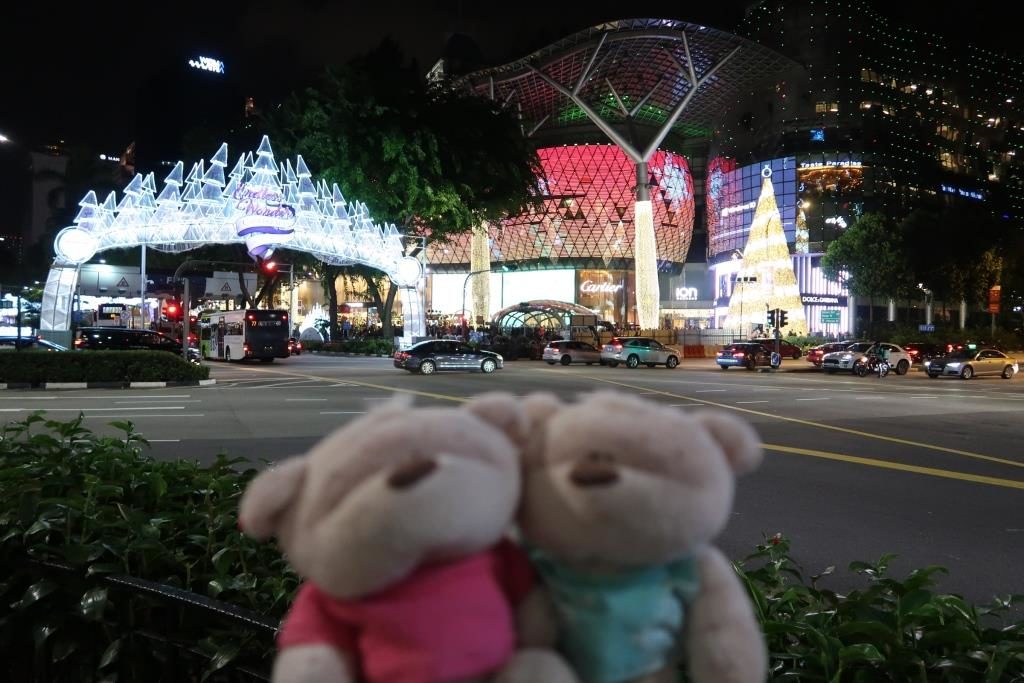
[466,282]
[4,139]
[927,303]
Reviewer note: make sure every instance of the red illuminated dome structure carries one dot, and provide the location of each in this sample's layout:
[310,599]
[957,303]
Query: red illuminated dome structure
[622,115]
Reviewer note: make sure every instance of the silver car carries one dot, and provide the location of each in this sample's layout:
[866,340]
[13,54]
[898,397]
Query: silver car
[898,358]
[636,350]
[568,352]
[969,363]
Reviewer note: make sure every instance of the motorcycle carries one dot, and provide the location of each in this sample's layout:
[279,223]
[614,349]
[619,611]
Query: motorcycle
[872,364]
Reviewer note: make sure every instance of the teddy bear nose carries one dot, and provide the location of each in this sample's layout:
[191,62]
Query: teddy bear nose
[407,474]
[593,474]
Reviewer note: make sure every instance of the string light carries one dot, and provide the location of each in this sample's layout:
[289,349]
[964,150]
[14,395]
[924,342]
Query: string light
[646,260]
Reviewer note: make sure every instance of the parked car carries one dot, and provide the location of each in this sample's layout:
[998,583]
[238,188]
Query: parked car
[34,343]
[968,363]
[434,355]
[568,352]
[815,355]
[899,359]
[294,346]
[126,339]
[786,349]
[636,350]
[747,355]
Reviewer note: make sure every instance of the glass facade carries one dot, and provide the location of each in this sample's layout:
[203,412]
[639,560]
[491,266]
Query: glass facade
[585,218]
[735,194]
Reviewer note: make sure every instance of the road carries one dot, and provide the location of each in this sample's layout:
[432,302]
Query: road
[932,470]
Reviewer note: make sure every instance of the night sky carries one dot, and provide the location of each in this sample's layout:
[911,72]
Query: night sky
[72,72]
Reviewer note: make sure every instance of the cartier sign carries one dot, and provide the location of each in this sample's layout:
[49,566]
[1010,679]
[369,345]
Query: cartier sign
[590,287]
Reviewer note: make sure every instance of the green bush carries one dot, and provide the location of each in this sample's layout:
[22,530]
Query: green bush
[38,367]
[368,347]
[100,507]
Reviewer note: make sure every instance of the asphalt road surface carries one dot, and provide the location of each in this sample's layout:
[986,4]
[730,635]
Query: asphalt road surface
[932,470]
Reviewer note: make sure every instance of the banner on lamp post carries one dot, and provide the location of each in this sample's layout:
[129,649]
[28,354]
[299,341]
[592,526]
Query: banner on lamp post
[994,295]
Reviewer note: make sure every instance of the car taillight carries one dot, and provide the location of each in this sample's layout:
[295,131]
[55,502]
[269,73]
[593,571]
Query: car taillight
[912,352]
[718,353]
[298,345]
[617,347]
[738,354]
[78,342]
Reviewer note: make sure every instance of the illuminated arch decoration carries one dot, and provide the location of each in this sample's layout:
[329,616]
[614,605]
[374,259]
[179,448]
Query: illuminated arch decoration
[260,203]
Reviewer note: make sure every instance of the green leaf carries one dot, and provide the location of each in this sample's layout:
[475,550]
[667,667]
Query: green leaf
[63,649]
[224,656]
[860,652]
[93,603]
[35,593]
[111,654]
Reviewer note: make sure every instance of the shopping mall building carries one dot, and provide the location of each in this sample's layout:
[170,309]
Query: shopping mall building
[807,116]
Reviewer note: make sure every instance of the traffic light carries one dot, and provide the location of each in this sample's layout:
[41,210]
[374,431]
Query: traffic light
[771,317]
[172,310]
[783,318]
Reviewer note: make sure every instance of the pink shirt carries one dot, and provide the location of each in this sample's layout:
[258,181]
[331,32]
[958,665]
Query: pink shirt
[444,622]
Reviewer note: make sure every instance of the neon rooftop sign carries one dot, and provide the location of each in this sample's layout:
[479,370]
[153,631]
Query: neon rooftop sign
[207,64]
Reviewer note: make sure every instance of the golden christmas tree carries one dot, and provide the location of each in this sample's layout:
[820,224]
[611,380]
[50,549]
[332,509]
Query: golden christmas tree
[766,279]
[480,263]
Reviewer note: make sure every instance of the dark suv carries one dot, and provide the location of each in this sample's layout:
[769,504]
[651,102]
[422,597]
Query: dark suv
[125,339]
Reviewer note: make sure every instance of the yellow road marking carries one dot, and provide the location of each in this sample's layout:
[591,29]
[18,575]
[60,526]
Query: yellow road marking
[811,423]
[886,464]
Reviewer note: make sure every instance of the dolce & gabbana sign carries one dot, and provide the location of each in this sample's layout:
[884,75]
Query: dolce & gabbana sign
[823,300]
[591,287]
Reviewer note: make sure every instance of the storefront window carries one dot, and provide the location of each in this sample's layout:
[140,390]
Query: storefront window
[608,292]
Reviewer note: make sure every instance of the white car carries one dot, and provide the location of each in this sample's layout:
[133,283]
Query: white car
[899,358]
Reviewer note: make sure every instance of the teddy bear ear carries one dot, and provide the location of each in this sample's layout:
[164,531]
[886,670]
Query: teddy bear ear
[504,412]
[269,496]
[738,440]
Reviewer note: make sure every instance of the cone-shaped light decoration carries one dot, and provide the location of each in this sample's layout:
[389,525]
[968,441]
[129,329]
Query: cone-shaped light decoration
[480,260]
[767,280]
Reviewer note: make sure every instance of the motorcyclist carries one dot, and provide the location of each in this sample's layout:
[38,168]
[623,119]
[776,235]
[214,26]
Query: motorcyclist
[880,352]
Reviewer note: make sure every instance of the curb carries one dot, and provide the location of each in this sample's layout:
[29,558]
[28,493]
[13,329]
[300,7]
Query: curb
[49,386]
[348,354]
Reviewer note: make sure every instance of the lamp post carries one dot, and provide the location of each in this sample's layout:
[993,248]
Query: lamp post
[464,283]
[927,303]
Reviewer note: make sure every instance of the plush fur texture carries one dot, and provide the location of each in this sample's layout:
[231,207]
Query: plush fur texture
[385,494]
[613,484]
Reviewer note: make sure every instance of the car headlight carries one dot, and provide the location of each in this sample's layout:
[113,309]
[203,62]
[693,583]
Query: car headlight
[501,358]
[927,364]
[847,356]
[954,366]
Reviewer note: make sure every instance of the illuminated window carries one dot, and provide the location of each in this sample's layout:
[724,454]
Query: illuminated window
[820,107]
[833,107]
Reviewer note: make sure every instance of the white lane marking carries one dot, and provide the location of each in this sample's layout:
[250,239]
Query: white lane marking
[870,398]
[305,399]
[86,398]
[820,398]
[150,400]
[709,391]
[146,415]
[748,402]
[92,410]
[682,405]
[924,397]
[343,412]
[31,398]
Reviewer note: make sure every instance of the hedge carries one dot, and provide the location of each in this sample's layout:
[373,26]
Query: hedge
[39,367]
[99,507]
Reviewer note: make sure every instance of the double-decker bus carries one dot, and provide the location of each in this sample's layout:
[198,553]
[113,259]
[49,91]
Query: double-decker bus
[111,315]
[244,333]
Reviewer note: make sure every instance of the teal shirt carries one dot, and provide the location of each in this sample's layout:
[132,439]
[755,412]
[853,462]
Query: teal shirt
[618,627]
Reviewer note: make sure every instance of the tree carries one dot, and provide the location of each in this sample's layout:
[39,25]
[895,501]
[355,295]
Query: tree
[437,163]
[869,259]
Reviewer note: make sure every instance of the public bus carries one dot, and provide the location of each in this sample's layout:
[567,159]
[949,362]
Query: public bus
[111,315]
[244,333]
